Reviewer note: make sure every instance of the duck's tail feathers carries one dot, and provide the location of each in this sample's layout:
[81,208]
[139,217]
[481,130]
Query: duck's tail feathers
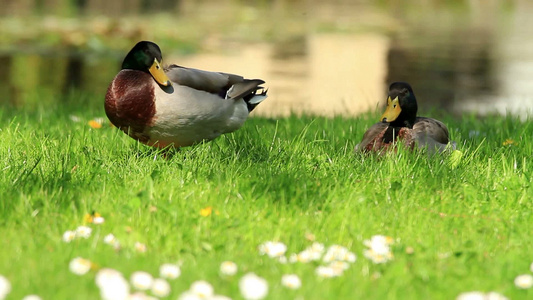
[250,90]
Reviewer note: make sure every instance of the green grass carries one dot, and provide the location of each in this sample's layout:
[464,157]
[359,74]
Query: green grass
[468,221]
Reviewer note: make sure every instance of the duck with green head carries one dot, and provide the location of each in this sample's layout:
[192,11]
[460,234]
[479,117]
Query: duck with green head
[399,122]
[177,106]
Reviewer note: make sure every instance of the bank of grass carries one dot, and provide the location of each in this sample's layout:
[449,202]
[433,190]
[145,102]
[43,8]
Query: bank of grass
[467,220]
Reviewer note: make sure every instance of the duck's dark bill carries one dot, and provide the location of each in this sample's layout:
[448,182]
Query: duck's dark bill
[159,74]
[393,110]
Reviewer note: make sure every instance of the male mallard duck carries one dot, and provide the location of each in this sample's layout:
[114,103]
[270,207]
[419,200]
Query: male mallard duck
[400,123]
[177,106]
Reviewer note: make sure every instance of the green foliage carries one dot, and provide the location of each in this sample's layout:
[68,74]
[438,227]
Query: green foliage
[466,215]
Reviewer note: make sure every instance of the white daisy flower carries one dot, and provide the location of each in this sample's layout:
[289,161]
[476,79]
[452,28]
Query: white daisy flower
[220,297]
[99,120]
[350,257]
[377,258]
[313,254]
[84,232]
[138,296]
[228,268]
[305,256]
[169,271]
[68,236]
[141,280]
[475,295]
[110,239]
[141,296]
[160,287]
[326,272]
[524,281]
[293,258]
[98,220]
[378,241]
[291,281]
[5,287]
[140,247]
[113,286]
[339,266]
[253,287]
[188,295]
[32,297]
[336,252]
[317,247]
[106,275]
[495,296]
[79,266]
[272,249]
[202,288]
[74,118]
[378,249]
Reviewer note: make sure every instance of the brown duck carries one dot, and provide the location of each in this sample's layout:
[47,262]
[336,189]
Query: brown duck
[177,106]
[399,123]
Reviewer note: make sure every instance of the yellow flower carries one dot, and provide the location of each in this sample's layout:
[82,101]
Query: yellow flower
[95,124]
[509,142]
[206,212]
[94,218]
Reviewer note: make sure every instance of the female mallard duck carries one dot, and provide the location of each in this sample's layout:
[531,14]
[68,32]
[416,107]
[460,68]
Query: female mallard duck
[177,106]
[400,123]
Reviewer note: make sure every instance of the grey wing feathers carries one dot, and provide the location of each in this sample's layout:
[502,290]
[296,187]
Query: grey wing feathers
[432,134]
[431,128]
[213,82]
[242,89]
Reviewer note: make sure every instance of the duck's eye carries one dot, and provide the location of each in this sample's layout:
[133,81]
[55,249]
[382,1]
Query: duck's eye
[158,67]
[394,106]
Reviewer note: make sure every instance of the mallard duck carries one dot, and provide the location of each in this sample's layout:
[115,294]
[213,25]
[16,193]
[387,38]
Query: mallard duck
[177,106]
[400,123]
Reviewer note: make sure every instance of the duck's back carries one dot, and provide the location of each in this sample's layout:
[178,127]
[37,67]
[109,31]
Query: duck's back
[431,128]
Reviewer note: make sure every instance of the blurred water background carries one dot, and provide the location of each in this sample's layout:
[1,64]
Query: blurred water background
[319,57]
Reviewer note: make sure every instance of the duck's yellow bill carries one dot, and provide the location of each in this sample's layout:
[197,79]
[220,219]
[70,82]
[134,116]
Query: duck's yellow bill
[159,74]
[393,110]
